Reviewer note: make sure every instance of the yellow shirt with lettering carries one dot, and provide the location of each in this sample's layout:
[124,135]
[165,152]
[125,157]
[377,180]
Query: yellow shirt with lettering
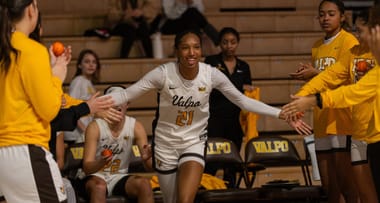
[366,89]
[330,121]
[342,72]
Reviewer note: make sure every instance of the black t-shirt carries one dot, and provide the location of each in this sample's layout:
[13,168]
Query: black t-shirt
[220,106]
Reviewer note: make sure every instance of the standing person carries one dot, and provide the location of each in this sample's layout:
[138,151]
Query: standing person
[224,115]
[365,91]
[184,15]
[108,173]
[132,20]
[180,132]
[82,87]
[29,172]
[349,68]
[331,126]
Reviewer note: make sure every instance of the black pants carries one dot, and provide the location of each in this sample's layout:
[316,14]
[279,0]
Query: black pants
[373,153]
[130,34]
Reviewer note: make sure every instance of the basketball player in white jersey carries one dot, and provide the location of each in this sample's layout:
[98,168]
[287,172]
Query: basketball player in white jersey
[108,175]
[180,131]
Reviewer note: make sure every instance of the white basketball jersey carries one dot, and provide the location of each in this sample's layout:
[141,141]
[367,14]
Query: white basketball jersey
[121,146]
[183,107]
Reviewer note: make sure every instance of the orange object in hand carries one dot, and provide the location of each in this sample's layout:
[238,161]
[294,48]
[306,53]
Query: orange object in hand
[106,153]
[58,48]
[362,66]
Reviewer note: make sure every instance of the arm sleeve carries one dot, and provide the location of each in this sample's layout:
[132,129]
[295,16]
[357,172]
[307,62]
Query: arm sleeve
[67,119]
[43,89]
[152,80]
[221,82]
[330,78]
[345,96]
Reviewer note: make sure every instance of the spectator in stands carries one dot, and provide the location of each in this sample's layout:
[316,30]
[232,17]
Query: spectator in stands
[180,130]
[108,173]
[26,80]
[224,115]
[182,15]
[82,87]
[362,96]
[332,127]
[132,20]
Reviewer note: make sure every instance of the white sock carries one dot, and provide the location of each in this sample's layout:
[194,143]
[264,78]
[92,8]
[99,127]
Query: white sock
[309,140]
[168,187]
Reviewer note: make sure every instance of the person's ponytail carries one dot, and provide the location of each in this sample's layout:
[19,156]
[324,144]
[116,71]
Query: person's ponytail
[5,37]
[11,11]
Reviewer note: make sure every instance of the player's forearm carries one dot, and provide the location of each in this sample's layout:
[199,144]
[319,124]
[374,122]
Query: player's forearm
[92,167]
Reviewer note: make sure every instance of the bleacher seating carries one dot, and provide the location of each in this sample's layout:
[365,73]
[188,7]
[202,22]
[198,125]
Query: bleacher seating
[245,22]
[257,44]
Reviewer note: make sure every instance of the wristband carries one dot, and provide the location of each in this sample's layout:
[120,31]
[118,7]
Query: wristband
[319,100]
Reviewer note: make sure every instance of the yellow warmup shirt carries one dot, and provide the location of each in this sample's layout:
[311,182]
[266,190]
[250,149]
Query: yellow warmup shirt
[365,89]
[342,72]
[331,121]
[71,101]
[30,96]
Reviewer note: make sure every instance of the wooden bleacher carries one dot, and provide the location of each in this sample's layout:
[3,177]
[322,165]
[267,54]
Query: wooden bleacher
[251,44]
[245,22]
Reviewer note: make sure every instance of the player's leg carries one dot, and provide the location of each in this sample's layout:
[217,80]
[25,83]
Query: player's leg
[189,178]
[373,151]
[362,173]
[342,159]
[168,186]
[327,172]
[165,163]
[191,166]
[96,189]
[134,187]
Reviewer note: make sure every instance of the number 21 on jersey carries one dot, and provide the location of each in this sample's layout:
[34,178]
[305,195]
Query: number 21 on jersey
[184,118]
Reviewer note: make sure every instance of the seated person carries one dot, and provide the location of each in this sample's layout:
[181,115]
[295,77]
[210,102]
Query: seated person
[183,15]
[133,19]
[107,174]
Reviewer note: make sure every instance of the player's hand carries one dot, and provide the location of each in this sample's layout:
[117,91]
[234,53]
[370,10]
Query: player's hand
[304,72]
[97,104]
[299,104]
[59,64]
[110,115]
[300,126]
[146,152]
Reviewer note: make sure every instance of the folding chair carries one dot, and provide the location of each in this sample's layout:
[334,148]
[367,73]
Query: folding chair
[273,151]
[222,153]
[136,163]
[73,160]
